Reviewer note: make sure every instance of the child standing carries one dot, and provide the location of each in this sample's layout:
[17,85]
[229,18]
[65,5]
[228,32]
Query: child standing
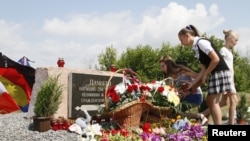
[231,39]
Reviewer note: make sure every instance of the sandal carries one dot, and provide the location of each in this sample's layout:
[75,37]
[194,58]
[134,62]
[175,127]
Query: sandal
[202,119]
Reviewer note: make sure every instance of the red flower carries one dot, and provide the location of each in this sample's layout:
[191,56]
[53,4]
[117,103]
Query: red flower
[111,90]
[114,132]
[144,88]
[160,89]
[143,98]
[146,127]
[115,98]
[135,87]
[113,94]
[153,81]
[130,89]
[124,132]
[104,139]
[147,88]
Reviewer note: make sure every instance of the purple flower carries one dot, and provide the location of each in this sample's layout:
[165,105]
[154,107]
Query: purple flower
[187,132]
[146,136]
[156,138]
[178,137]
[180,124]
[150,137]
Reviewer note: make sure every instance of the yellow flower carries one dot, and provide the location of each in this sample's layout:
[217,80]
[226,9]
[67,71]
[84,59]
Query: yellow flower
[204,138]
[172,120]
[153,125]
[178,117]
[193,121]
[173,97]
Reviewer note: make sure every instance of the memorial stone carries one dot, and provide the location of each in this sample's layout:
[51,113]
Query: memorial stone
[86,91]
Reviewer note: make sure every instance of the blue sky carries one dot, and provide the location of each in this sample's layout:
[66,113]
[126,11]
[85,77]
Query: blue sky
[79,30]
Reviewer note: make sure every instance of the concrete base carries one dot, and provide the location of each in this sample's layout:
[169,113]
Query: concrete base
[43,73]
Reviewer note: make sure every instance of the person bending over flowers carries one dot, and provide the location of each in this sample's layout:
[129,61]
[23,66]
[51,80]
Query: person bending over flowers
[213,67]
[182,77]
[231,39]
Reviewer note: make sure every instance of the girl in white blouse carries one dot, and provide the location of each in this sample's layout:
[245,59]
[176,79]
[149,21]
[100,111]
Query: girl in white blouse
[231,39]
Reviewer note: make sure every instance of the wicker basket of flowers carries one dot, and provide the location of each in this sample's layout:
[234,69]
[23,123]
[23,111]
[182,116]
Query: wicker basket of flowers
[126,102]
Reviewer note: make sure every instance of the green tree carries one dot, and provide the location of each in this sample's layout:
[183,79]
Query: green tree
[107,58]
[167,49]
[241,73]
[219,43]
[143,60]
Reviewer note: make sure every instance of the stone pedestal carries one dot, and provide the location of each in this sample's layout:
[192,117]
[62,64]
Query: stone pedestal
[43,73]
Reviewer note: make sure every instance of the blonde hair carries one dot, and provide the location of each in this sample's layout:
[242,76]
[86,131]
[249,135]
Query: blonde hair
[230,34]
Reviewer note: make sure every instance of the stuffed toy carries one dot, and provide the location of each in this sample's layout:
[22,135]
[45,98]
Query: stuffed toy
[83,127]
[80,123]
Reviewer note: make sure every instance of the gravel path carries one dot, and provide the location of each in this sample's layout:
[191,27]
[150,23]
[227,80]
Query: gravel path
[16,127]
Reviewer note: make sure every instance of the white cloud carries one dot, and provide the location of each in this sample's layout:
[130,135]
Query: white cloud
[92,25]
[154,29]
[8,36]
[243,46]
[80,38]
[12,44]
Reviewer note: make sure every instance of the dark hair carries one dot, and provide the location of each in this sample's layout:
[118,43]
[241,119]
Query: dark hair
[164,58]
[189,29]
[173,68]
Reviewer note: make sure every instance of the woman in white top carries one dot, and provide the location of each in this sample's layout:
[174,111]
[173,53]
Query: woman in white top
[231,39]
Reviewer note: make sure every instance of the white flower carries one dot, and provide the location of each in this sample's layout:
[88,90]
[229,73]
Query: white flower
[158,84]
[120,88]
[165,93]
[89,137]
[161,83]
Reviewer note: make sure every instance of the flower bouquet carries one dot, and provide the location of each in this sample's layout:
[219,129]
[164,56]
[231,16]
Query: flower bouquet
[126,101]
[121,94]
[165,95]
[164,98]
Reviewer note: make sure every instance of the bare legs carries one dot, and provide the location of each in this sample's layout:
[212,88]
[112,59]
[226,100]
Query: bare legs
[232,107]
[213,102]
[233,100]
